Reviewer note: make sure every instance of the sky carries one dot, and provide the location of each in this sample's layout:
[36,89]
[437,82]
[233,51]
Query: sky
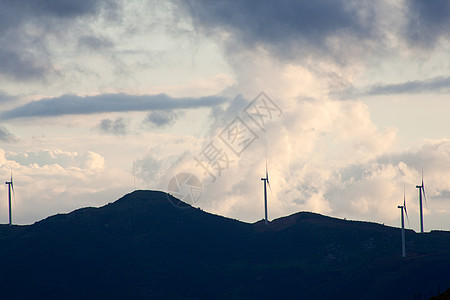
[346,101]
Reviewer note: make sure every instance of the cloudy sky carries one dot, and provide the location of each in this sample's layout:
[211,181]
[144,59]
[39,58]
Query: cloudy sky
[99,97]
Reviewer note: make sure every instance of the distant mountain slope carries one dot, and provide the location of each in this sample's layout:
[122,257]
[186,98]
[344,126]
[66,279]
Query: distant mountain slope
[141,246]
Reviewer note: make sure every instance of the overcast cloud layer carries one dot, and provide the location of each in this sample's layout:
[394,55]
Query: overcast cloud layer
[101,97]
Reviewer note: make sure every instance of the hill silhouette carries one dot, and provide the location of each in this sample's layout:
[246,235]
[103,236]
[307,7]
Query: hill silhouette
[143,247]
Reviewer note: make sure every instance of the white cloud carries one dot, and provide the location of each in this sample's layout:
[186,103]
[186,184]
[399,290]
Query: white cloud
[50,181]
[57,157]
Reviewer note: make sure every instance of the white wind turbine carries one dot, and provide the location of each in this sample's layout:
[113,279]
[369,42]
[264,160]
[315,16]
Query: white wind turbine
[10,187]
[403,208]
[266,181]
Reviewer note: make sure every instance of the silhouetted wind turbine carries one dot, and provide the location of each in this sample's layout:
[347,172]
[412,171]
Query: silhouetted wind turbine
[266,180]
[403,208]
[10,187]
[421,191]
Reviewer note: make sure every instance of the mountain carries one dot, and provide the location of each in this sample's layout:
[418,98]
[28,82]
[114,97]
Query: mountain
[143,247]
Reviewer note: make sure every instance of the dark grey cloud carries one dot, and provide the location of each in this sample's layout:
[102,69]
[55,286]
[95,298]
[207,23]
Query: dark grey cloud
[6,136]
[73,104]
[433,85]
[22,65]
[437,84]
[427,21]
[342,30]
[116,127]
[24,53]
[288,28]
[95,42]
[161,118]
[66,8]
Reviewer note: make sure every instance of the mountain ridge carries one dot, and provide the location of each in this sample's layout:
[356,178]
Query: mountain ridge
[144,246]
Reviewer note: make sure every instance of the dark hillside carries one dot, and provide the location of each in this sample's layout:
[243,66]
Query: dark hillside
[141,246]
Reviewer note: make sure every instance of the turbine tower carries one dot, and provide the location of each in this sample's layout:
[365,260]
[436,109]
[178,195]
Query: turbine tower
[266,181]
[403,208]
[421,192]
[10,187]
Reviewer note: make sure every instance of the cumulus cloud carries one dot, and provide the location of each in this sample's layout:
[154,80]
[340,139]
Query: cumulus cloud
[332,169]
[52,181]
[433,157]
[92,161]
[73,104]
[63,159]
[307,147]
[324,155]
[374,188]
[117,126]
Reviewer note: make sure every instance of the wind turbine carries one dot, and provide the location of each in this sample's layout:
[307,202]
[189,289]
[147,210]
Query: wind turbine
[403,208]
[266,181]
[10,187]
[421,191]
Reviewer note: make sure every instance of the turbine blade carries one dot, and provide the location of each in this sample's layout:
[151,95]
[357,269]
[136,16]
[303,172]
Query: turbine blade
[404,206]
[422,176]
[407,218]
[12,186]
[267,173]
[404,197]
[424,195]
[267,177]
[423,192]
[406,211]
